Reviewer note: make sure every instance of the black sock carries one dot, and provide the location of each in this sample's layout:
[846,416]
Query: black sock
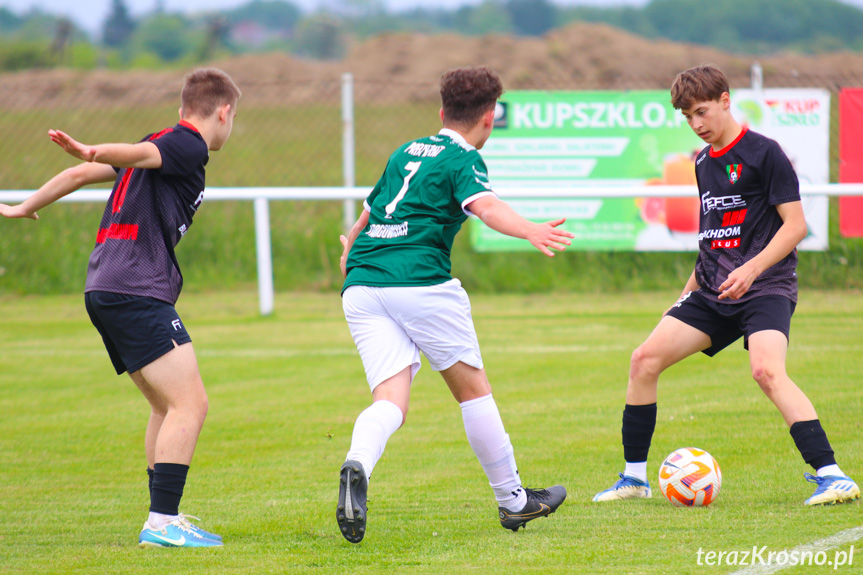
[639,421]
[812,442]
[150,480]
[169,479]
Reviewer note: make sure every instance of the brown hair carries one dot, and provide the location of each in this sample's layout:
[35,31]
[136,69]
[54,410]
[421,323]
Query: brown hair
[698,84]
[206,89]
[468,93]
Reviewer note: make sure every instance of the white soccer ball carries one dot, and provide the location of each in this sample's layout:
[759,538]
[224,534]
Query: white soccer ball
[690,477]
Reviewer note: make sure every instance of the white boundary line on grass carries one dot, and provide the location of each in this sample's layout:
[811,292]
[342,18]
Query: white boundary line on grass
[837,540]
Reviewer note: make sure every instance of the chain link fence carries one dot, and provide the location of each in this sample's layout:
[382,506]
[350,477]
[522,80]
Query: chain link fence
[288,132]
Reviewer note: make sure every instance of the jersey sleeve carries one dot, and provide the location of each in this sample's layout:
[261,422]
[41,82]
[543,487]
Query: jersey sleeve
[182,152]
[780,179]
[367,203]
[471,180]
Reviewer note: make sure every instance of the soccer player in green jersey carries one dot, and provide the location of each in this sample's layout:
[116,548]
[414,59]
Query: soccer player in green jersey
[399,297]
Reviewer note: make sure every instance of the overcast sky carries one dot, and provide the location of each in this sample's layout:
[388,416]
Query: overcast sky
[90,14]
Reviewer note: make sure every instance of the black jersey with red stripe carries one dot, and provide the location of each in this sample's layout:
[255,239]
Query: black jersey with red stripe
[147,214]
[740,187]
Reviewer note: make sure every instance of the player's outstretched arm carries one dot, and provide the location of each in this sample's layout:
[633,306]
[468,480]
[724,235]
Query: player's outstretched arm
[499,216]
[790,233]
[141,155]
[60,185]
[348,242]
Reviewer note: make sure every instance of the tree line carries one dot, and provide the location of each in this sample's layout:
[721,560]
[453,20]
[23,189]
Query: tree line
[39,39]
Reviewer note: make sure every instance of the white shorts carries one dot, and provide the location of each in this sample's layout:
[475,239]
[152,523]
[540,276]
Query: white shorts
[391,325]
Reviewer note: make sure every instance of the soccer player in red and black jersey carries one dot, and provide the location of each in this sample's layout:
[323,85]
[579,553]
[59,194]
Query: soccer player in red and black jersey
[134,280]
[744,284]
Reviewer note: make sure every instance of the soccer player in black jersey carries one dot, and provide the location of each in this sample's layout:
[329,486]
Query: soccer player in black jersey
[133,280]
[744,284]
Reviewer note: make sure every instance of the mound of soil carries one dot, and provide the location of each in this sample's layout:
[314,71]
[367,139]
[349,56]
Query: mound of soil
[579,57]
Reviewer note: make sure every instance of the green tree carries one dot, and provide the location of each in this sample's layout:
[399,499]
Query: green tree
[271,14]
[168,36]
[531,17]
[118,26]
[321,36]
[490,17]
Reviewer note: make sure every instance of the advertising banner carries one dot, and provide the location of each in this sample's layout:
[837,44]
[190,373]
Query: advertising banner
[851,160]
[551,139]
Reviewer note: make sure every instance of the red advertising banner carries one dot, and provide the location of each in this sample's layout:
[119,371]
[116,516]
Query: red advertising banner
[851,159]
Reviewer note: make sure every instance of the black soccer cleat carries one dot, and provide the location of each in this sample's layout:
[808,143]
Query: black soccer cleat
[540,503]
[351,512]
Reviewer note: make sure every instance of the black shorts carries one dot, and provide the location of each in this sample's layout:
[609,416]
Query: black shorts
[726,322]
[137,330]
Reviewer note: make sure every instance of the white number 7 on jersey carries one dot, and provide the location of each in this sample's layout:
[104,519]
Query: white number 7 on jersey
[412,168]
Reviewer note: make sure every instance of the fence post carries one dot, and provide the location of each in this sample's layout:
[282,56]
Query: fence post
[265,256]
[757,77]
[349,214]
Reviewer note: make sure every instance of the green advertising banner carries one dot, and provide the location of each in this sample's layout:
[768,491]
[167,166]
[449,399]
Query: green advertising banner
[557,139]
[547,138]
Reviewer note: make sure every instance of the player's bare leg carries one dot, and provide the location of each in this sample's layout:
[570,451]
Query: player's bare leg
[670,342]
[767,353]
[178,406]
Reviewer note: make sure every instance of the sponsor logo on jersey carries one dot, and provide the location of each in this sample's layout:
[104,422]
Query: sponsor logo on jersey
[721,203]
[387,230]
[183,229]
[722,237]
[701,159]
[424,150]
[733,218]
[733,172]
[719,244]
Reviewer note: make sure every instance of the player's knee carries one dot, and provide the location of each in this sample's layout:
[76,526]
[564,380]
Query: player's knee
[643,364]
[765,377]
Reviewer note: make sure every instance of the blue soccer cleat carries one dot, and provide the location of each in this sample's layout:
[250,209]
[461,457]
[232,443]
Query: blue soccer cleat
[625,488]
[177,533]
[184,519]
[832,489]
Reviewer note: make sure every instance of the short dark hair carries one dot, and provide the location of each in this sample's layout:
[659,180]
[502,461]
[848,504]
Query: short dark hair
[206,89]
[468,93]
[699,84]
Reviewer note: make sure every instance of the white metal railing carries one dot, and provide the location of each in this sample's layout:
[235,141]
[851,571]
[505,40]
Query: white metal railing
[262,196]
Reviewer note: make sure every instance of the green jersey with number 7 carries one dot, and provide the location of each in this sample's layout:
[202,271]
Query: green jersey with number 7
[415,211]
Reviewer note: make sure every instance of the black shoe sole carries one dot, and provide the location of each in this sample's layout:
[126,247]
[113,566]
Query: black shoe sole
[351,511]
[515,521]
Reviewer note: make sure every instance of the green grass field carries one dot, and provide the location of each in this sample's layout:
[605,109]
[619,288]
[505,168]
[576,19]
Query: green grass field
[284,392]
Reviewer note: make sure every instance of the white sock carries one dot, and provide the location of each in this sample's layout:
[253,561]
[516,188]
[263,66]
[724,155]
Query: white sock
[372,429]
[829,470]
[159,520]
[636,470]
[492,447]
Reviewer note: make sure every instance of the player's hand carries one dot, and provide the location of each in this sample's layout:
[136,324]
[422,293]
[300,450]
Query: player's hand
[343,261]
[17,212]
[546,235]
[738,282]
[72,146]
